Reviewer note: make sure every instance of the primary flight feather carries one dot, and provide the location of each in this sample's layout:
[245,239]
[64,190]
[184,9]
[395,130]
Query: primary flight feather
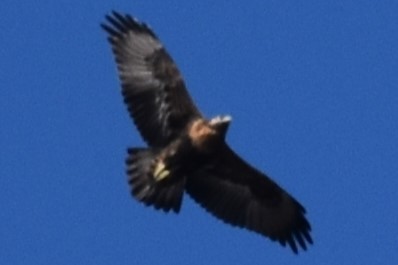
[186,151]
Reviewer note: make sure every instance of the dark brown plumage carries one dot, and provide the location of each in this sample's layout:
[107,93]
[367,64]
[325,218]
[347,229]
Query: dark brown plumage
[187,152]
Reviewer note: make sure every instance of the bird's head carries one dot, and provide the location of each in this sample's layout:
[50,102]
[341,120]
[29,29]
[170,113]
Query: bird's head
[220,124]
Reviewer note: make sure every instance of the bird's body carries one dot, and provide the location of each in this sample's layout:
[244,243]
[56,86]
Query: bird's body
[199,144]
[187,152]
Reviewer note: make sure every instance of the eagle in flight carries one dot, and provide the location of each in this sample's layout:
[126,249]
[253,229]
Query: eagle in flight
[188,152]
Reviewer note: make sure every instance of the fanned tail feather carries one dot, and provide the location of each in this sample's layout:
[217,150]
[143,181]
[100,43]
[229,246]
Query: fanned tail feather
[166,195]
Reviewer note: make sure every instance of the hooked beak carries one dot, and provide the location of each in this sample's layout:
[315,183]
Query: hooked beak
[221,124]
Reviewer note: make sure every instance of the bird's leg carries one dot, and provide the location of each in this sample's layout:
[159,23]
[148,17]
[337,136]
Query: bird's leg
[160,171]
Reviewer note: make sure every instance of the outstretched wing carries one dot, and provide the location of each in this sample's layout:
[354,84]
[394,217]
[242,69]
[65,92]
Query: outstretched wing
[152,86]
[241,196]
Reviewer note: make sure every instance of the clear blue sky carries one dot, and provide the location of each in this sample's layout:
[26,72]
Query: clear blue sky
[313,90]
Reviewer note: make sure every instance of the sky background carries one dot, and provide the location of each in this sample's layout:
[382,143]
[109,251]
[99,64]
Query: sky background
[312,87]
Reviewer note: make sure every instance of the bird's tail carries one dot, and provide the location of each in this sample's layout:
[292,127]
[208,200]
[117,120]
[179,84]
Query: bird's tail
[150,182]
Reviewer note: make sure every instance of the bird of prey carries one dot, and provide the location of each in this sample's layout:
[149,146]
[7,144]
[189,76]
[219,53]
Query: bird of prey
[188,153]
